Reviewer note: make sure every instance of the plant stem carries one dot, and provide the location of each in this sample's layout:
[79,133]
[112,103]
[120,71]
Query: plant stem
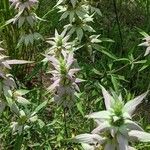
[118,24]
[148,11]
[18,142]
[65,122]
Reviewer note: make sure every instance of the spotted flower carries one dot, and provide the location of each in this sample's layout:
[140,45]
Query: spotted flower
[23,4]
[80,26]
[24,15]
[23,122]
[115,127]
[79,16]
[64,78]
[59,43]
[5,63]
[72,9]
[7,83]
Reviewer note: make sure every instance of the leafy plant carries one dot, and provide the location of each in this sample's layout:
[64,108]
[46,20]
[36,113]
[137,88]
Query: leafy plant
[115,126]
[43,104]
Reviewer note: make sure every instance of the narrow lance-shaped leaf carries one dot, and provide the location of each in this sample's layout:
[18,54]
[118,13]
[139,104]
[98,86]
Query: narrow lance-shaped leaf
[21,92]
[79,32]
[39,108]
[132,125]
[10,62]
[139,135]
[99,115]
[22,100]
[132,104]
[53,86]
[102,127]
[59,2]
[107,98]
[147,51]
[90,138]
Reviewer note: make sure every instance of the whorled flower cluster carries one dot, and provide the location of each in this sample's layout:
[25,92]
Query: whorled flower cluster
[80,14]
[115,128]
[6,79]
[64,78]
[23,4]
[9,95]
[24,12]
[64,70]
[59,44]
[25,19]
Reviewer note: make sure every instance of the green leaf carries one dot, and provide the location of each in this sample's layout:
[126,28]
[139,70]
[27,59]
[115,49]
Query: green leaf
[79,32]
[97,72]
[64,15]
[31,39]
[38,36]
[21,21]
[71,16]
[107,40]
[42,105]
[131,105]
[144,33]
[41,123]
[30,20]
[34,118]
[73,2]
[59,2]
[18,142]
[14,108]
[140,62]
[26,40]
[115,83]
[143,67]
[21,92]
[80,108]
[102,50]
[22,100]
[97,10]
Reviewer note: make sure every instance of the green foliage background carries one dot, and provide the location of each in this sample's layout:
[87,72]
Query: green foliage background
[122,67]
